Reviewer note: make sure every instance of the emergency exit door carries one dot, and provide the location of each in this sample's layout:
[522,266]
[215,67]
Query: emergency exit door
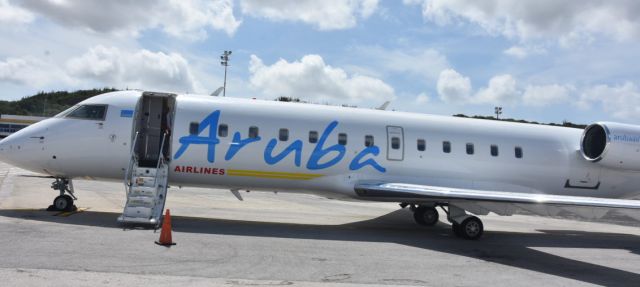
[395,143]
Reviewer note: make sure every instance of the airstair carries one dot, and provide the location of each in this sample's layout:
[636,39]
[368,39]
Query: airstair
[147,175]
[146,190]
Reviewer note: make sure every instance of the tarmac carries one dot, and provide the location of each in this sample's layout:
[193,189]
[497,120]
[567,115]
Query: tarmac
[288,239]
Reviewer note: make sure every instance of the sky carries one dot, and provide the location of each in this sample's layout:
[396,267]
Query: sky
[543,60]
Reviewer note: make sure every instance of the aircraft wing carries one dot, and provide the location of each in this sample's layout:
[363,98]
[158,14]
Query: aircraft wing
[500,202]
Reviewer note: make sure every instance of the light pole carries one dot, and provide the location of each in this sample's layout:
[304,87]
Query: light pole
[498,111]
[224,60]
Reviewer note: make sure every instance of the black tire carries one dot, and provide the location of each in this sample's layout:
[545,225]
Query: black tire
[471,228]
[63,203]
[426,215]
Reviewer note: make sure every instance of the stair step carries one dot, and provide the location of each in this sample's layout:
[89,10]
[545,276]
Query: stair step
[144,181]
[145,171]
[139,220]
[143,191]
[143,201]
[137,211]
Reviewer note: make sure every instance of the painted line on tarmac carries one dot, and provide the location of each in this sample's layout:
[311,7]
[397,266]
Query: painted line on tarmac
[69,213]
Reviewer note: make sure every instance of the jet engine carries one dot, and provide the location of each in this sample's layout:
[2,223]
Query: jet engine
[612,145]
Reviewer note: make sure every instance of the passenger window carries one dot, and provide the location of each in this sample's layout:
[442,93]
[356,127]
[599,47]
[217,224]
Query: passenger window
[368,140]
[89,112]
[470,149]
[494,150]
[395,143]
[421,145]
[518,151]
[446,146]
[253,132]
[223,130]
[283,135]
[193,128]
[342,139]
[313,136]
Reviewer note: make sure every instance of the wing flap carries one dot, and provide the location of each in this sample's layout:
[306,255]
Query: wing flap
[414,192]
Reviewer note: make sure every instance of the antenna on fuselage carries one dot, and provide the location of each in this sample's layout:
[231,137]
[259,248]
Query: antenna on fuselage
[217,92]
[383,106]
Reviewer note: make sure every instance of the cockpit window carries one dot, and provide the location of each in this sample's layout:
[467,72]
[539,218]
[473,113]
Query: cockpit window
[66,112]
[88,112]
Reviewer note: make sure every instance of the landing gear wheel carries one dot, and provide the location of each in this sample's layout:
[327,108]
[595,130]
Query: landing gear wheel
[63,203]
[425,215]
[470,228]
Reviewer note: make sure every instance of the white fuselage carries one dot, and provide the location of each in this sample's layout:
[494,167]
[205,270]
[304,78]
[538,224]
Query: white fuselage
[551,162]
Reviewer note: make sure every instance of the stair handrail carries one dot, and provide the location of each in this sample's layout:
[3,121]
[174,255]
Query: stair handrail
[161,154]
[132,160]
[161,159]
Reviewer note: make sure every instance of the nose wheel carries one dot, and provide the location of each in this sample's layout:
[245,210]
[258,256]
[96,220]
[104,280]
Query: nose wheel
[63,202]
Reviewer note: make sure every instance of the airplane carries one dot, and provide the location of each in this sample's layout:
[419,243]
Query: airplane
[465,167]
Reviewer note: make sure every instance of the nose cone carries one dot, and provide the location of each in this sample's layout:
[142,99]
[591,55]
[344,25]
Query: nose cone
[24,148]
[2,150]
[10,149]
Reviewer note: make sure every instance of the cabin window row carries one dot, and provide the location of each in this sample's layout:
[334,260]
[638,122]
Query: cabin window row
[283,134]
[469,147]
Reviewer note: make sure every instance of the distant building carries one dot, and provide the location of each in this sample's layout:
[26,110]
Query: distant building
[12,123]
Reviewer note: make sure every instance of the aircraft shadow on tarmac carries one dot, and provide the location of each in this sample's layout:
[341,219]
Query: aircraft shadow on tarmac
[508,248]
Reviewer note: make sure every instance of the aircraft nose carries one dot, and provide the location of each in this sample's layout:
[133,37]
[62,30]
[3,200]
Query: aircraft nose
[26,148]
[18,149]
[3,149]
[6,148]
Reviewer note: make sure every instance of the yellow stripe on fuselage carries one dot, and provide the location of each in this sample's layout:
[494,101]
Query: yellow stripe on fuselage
[272,174]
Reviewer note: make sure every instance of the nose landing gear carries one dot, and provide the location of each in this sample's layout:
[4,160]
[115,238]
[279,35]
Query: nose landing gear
[63,202]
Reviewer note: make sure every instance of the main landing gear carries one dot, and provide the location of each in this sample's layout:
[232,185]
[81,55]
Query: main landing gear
[63,202]
[463,225]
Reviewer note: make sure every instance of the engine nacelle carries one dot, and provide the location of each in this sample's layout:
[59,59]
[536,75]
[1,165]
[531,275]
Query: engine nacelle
[612,145]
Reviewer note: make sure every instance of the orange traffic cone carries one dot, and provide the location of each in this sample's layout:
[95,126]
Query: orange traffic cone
[165,232]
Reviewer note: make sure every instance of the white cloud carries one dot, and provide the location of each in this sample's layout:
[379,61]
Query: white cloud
[522,52]
[517,51]
[546,94]
[140,69]
[181,18]
[422,99]
[31,71]
[453,87]
[501,90]
[186,19]
[526,20]
[621,101]
[312,79]
[422,62]
[325,15]
[11,14]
